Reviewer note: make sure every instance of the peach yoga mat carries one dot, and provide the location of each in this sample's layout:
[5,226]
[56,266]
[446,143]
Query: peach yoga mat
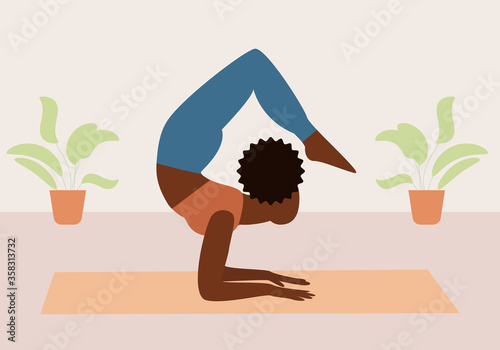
[347,291]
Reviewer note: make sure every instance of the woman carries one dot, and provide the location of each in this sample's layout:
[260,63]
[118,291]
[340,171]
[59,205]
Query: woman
[270,172]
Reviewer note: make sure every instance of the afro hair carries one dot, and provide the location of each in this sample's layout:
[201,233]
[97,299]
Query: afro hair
[270,171]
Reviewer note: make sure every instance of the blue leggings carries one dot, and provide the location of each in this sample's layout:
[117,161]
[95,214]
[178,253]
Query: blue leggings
[193,134]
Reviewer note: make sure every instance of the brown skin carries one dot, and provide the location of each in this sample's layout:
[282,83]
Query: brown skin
[213,274]
[319,149]
[216,281]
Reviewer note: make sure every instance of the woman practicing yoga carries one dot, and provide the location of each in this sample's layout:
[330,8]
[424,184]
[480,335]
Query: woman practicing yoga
[270,172]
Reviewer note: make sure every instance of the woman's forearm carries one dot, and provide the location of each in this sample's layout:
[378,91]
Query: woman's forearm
[233,291]
[236,274]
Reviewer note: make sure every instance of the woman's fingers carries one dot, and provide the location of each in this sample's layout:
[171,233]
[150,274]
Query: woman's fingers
[296,294]
[277,282]
[307,295]
[300,281]
[293,280]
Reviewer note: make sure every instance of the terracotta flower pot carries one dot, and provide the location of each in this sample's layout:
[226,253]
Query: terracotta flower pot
[426,206]
[67,206]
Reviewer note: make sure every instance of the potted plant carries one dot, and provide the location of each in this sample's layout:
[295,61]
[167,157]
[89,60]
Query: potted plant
[67,204]
[427,204]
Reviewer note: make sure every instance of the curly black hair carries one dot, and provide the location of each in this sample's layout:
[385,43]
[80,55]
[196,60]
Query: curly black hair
[270,171]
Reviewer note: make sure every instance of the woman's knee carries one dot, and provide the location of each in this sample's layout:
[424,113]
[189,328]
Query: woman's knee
[257,58]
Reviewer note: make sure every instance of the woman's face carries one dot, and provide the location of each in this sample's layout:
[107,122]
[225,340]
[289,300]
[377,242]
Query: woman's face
[287,211]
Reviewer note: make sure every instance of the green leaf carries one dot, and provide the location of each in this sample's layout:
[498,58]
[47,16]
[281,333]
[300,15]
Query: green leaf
[85,139]
[394,181]
[49,118]
[445,120]
[38,152]
[409,139]
[455,152]
[38,170]
[99,181]
[455,170]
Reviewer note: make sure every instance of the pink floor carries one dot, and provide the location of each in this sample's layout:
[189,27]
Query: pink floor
[461,253]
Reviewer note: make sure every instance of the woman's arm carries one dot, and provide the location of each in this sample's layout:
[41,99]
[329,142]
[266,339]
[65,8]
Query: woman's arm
[235,274]
[214,251]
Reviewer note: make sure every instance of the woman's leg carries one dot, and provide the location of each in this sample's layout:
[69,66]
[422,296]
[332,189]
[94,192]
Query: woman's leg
[254,72]
[279,102]
[176,184]
[224,95]
[319,149]
[193,134]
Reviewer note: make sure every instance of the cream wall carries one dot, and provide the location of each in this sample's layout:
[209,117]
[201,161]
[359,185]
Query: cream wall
[91,52]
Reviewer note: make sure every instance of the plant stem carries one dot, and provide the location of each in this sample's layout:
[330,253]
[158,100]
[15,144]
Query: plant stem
[420,174]
[74,175]
[430,183]
[67,165]
[418,171]
[428,160]
[64,182]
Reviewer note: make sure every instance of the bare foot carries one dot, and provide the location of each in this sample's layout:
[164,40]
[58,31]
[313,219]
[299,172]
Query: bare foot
[319,149]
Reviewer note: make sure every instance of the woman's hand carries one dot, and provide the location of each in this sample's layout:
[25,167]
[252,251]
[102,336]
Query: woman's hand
[294,294]
[279,279]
